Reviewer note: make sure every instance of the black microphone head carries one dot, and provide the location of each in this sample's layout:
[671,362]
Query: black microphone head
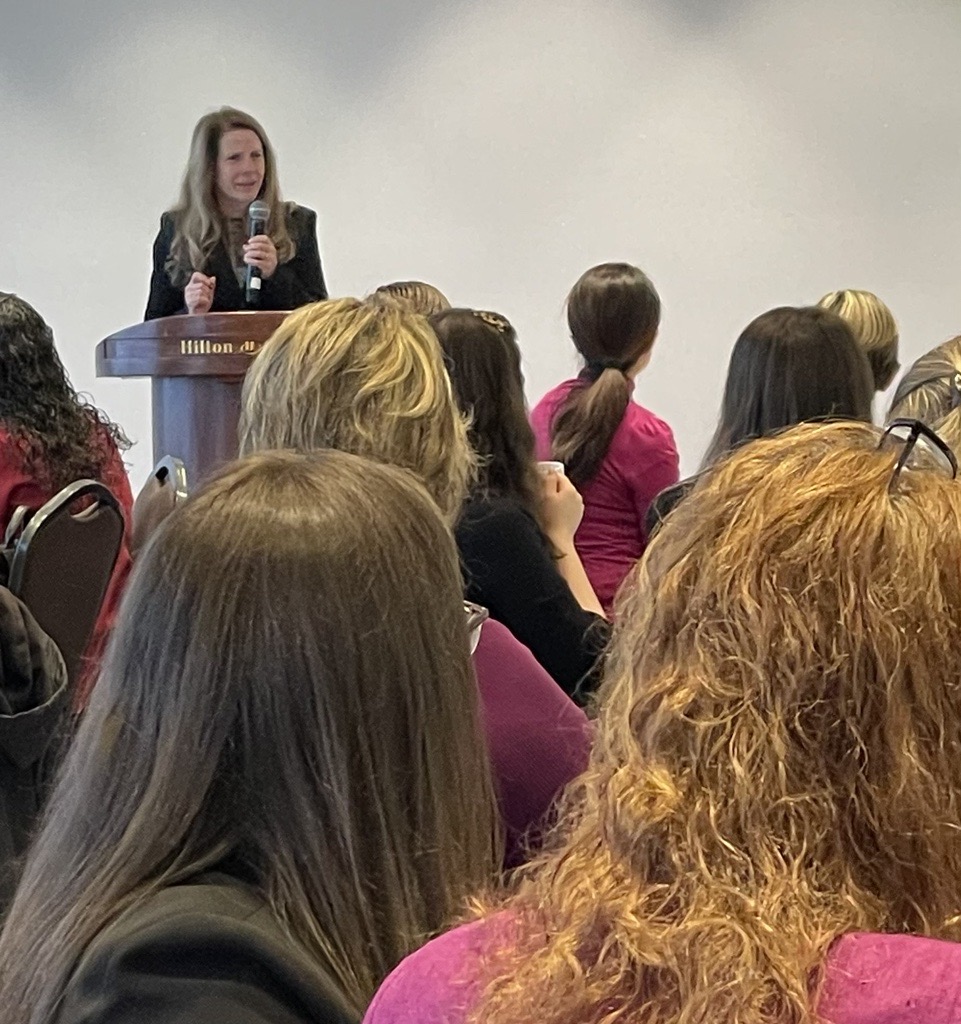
[259,210]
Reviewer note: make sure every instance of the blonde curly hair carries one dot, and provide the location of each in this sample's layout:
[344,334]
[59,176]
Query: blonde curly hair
[362,376]
[778,759]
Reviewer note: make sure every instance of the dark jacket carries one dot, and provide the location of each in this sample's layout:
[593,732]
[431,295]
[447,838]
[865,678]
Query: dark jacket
[665,503]
[508,568]
[293,284]
[205,952]
[33,708]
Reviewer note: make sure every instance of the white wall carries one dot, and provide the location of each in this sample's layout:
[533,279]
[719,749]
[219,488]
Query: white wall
[746,153]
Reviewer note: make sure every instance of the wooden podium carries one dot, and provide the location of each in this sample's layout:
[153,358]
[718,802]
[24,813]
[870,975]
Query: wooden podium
[197,366]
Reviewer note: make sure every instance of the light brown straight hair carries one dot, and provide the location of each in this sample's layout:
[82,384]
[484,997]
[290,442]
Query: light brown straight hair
[289,688]
[197,217]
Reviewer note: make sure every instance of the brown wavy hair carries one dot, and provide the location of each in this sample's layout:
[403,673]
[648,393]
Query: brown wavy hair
[363,376]
[778,759]
[199,224]
[288,696]
[613,312]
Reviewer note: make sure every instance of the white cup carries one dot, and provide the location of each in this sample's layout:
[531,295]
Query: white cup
[550,467]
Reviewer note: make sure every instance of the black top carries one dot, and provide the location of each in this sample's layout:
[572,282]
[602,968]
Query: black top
[665,503]
[33,717]
[509,568]
[295,283]
[209,952]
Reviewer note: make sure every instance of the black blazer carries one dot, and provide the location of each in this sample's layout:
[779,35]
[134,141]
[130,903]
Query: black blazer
[294,283]
[206,951]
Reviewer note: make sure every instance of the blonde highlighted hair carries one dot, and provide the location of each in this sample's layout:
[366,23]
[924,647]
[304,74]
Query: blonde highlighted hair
[417,296]
[931,391]
[363,376]
[197,218]
[874,327]
[778,758]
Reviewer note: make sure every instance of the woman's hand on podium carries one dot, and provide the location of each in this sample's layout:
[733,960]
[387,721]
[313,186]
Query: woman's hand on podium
[260,251]
[199,293]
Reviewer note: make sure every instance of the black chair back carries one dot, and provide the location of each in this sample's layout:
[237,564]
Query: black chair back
[165,488]
[62,561]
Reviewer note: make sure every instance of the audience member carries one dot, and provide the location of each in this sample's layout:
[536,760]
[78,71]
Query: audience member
[874,328]
[368,377]
[33,712]
[51,437]
[279,788]
[618,453]
[790,365]
[769,827]
[202,251]
[417,296]
[931,391]
[516,533]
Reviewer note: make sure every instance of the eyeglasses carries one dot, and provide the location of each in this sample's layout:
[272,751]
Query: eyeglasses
[920,441]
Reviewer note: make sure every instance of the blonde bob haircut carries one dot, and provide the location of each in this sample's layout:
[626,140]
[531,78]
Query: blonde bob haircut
[931,391]
[778,756]
[363,376]
[197,217]
[874,327]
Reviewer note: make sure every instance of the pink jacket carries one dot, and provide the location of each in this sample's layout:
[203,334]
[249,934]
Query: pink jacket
[869,979]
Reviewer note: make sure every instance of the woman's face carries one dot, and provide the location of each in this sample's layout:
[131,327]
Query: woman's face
[240,170]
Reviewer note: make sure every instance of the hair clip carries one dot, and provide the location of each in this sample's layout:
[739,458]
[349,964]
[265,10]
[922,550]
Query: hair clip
[495,320]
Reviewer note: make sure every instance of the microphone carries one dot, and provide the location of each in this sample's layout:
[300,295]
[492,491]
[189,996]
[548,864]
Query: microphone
[258,213]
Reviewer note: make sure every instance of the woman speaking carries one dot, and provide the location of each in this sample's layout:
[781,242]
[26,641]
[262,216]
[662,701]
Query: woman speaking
[204,248]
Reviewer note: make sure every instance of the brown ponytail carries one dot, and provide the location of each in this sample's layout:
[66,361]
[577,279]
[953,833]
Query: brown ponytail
[613,313]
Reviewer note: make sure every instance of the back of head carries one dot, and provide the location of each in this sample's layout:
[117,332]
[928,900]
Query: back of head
[417,296]
[874,327]
[791,365]
[61,438]
[360,376]
[484,363]
[613,312]
[930,391]
[197,214]
[777,754]
[288,692]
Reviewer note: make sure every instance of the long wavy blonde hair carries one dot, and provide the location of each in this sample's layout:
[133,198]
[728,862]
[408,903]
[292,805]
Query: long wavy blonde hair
[779,750]
[199,225]
[931,391]
[364,376]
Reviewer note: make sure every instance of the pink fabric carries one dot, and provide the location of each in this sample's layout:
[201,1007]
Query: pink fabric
[869,979]
[17,488]
[538,739]
[641,461]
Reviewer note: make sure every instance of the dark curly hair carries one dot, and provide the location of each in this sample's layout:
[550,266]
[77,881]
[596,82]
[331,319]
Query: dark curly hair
[60,436]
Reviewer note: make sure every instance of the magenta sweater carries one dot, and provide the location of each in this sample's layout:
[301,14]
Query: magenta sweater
[641,461]
[869,979]
[538,739]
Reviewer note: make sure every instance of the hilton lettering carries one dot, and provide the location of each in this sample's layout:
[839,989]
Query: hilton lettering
[205,347]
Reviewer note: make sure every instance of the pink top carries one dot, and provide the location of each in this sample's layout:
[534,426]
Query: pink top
[869,979]
[641,461]
[538,739]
